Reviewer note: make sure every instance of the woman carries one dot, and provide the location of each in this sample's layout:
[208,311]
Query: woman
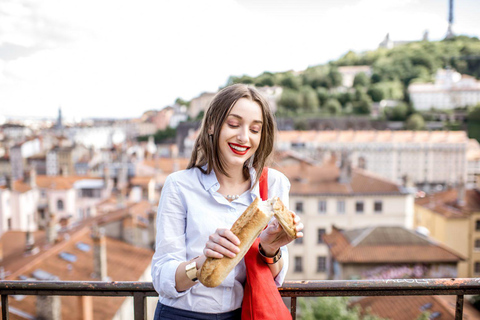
[199,205]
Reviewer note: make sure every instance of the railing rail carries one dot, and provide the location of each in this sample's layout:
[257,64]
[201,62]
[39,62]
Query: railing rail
[293,289]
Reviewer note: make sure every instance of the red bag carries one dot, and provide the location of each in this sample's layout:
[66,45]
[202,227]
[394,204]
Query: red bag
[261,299]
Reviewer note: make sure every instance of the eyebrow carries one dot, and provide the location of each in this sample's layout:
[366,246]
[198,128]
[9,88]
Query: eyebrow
[237,116]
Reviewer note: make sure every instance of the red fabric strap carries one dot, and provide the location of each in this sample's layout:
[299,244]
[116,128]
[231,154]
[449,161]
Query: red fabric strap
[261,299]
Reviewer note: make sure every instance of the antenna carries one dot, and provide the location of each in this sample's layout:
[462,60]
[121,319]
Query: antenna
[450,20]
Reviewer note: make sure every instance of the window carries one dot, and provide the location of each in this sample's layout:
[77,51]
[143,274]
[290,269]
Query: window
[321,264]
[477,244]
[477,267]
[320,234]
[378,207]
[322,206]
[341,206]
[60,205]
[477,225]
[359,207]
[43,193]
[298,264]
[9,223]
[299,207]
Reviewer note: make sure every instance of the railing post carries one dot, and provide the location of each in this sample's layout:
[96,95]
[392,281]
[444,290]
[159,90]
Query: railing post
[293,307]
[4,307]
[459,308]
[139,306]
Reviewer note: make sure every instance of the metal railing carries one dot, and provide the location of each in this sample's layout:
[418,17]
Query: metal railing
[293,289]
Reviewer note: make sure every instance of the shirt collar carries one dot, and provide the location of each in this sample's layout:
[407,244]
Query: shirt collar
[210,182]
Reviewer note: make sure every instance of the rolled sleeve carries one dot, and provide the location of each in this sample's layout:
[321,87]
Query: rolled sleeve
[170,241]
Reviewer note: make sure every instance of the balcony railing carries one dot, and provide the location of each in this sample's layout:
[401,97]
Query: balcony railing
[293,289]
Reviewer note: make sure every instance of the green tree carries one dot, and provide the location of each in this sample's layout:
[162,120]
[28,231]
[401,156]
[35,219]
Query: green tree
[397,113]
[375,93]
[265,79]
[335,78]
[361,79]
[161,136]
[182,102]
[332,106]
[415,122]
[331,308]
[291,81]
[309,99]
[322,95]
[291,100]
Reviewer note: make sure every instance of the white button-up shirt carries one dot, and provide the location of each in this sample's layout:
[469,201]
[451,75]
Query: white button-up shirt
[190,210]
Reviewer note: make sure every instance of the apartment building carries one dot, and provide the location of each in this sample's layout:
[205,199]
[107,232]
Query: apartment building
[452,217]
[327,195]
[433,159]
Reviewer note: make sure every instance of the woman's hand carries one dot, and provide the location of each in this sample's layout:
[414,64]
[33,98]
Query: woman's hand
[274,237]
[222,243]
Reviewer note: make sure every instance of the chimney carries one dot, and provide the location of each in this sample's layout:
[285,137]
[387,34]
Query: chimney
[29,242]
[407,181]
[461,193]
[49,308]
[151,229]
[99,253]
[345,168]
[51,229]
[33,177]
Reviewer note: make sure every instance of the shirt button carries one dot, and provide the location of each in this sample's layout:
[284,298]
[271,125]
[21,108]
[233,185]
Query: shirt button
[232,210]
[228,289]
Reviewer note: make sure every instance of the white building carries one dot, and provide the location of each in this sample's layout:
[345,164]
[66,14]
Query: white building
[450,90]
[349,73]
[429,158]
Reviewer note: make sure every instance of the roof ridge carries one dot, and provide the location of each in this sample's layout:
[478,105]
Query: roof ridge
[362,236]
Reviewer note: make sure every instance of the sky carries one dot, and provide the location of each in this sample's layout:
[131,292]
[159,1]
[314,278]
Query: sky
[119,58]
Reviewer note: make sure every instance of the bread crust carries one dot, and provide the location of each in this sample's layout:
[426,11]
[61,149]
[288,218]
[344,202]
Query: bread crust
[284,217]
[247,228]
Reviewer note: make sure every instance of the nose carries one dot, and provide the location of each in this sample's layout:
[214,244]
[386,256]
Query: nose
[242,136]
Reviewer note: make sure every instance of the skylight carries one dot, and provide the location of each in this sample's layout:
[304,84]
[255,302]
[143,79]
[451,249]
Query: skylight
[83,246]
[40,274]
[67,256]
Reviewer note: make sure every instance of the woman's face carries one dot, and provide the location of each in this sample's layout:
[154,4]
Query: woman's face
[240,134]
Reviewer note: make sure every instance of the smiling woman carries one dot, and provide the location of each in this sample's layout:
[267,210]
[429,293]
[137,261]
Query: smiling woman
[198,206]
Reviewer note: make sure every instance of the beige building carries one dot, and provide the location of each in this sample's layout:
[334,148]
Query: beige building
[430,158]
[455,221]
[326,195]
[349,72]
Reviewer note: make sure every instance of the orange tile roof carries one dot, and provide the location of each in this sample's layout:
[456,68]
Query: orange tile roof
[60,182]
[445,203]
[140,181]
[386,245]
[124,263]
[311,180]
[21,187]
[167,165]
[409,307]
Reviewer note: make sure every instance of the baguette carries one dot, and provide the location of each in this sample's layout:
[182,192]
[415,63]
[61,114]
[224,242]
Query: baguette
[247,228]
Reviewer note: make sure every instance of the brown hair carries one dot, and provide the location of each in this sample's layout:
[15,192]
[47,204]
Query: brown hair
[206,151]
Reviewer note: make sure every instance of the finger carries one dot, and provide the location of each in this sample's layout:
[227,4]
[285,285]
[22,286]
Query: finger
[229,235]
[221,249]
[209,253]
[224,242]
[299,227]
[299,234]
[296,219]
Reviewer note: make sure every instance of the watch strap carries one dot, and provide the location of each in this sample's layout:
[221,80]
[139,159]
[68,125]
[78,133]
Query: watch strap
[269,260]
[191,270]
